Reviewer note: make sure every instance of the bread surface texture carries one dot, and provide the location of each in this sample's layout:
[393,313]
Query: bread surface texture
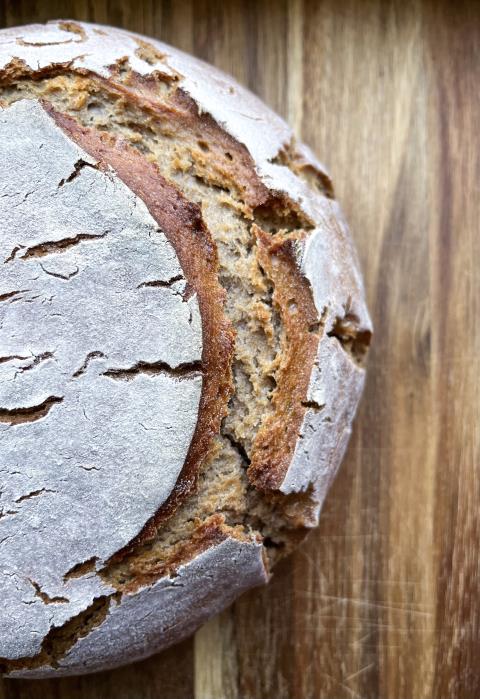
[183,336]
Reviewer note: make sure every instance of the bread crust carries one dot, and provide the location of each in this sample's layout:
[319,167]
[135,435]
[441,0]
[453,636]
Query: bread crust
[317,287]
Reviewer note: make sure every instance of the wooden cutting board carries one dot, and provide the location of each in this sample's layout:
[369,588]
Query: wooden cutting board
[383,601]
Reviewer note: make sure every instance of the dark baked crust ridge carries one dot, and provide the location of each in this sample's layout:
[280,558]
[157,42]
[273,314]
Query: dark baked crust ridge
[275,442]
[182,223]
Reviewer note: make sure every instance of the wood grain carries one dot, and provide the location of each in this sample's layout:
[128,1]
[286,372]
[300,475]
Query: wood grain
[383,601]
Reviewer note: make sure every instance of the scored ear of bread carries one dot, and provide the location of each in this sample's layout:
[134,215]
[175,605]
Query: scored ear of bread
[246,208]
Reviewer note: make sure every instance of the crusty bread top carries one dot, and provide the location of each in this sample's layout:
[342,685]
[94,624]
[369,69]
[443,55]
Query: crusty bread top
[305,253]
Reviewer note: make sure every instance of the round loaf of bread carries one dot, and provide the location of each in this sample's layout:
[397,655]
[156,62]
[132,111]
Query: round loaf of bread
[182,341]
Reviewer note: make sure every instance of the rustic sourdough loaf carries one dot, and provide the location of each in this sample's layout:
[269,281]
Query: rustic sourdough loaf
[182,342]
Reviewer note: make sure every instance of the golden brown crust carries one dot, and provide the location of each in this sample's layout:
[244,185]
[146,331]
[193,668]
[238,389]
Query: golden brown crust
[234,168]
[182,223]
[275,442]
[234,164]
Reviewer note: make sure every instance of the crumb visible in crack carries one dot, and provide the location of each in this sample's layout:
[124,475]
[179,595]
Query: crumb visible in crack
[186,370]
[238,446]
[89,358]
[73,28]
[60,639]
[46,599]
[290,157]
[52,246]
[148,53]
[81,569]
[281,215]
[34,494]
[17,416]
[354,340]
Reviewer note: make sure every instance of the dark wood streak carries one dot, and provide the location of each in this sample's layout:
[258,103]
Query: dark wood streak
[383,601]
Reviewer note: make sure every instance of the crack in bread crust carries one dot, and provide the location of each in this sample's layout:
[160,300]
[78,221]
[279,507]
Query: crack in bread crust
[60,639]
